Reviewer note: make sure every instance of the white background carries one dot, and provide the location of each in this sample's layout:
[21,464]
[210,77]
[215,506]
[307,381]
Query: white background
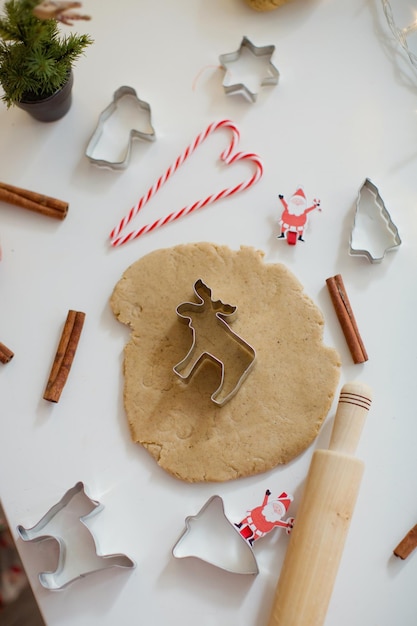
[344,110]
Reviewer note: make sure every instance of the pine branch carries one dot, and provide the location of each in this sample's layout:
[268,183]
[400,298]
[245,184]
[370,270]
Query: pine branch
[34,59]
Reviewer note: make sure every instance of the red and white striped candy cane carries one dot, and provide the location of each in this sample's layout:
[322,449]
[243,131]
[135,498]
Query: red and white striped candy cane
[228,156]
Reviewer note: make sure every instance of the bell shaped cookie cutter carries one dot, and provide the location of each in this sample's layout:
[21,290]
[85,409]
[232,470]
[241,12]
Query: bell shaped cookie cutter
[120,94]
[227,59]
[211,537]
[212,338]
[373,233]
[66,522]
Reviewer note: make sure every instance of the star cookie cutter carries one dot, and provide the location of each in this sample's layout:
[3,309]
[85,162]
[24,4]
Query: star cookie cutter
[212,338]
[263,52]
[101,133]
[66,522]
[228,550]
[373,232]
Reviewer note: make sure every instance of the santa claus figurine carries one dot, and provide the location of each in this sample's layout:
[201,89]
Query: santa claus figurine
[262,519]
[294,215]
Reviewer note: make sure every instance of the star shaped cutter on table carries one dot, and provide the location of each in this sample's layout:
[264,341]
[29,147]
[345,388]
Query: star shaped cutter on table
[257,51]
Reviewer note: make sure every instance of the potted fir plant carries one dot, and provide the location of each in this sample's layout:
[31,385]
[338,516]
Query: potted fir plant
[36,61]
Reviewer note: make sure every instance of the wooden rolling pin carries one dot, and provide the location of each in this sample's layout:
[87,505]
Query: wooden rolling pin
[317,540]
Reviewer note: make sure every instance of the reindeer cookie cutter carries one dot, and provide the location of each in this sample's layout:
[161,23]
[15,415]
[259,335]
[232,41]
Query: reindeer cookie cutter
[212,338]
[66,522]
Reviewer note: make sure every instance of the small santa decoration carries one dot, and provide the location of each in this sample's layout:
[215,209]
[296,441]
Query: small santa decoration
[262,519]
[294,216]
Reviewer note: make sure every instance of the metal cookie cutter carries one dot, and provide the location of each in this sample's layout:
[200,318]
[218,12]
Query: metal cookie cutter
[373,233]
[211,537]
[261,52]
[123,93]
[212,338]
[66,522]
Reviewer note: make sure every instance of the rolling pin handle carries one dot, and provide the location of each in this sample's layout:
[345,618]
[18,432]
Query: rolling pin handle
[354,403]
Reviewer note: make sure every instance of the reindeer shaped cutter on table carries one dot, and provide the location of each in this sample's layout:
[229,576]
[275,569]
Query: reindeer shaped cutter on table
[214,339]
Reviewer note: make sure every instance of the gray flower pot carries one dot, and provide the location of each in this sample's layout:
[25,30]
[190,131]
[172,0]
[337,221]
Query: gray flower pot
[51,108]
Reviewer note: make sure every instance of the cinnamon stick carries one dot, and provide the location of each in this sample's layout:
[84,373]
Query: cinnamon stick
[33,201]
[64,356]
[6,354]
[346,318]
[408,544]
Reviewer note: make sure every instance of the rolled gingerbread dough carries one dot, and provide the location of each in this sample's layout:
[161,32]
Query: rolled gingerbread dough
[277,411]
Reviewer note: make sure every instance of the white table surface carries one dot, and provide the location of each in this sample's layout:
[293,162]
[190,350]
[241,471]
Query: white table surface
[344,110]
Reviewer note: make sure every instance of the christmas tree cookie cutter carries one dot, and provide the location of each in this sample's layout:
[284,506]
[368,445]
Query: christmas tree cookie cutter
[213,339]
[373,232]
[67,523]
[246,55]
[130,107]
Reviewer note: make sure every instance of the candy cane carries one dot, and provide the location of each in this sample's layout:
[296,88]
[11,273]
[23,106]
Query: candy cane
[228,156]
